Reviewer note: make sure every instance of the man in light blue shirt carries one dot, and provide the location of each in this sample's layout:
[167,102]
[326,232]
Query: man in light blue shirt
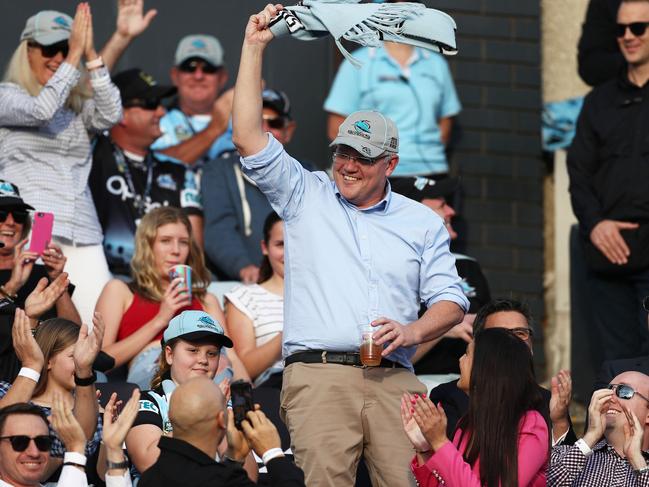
[355,253]
[410,85]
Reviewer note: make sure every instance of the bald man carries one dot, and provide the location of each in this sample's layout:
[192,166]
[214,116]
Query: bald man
[611,451]
[200,419]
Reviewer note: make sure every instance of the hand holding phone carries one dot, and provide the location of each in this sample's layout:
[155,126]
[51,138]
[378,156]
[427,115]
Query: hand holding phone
[242,402]
[41,232]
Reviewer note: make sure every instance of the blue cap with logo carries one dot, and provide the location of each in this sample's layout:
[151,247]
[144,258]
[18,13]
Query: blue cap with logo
[194,326]
[47,27]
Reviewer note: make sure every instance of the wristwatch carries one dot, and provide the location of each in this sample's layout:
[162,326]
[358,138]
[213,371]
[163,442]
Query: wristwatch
[116,465]
[642,470]
[86,381]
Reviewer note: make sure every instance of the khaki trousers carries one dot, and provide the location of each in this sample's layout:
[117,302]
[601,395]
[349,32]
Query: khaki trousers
[335,413]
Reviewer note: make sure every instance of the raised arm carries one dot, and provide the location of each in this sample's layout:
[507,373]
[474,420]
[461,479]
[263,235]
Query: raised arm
[247,131]
[131,22]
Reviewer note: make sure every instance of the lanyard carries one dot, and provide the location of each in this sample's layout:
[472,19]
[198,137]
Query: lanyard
[139,200]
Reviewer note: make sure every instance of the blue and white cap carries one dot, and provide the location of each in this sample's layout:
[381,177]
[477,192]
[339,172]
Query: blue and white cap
[194,326]
[10,196]
[205,47]
[47,27]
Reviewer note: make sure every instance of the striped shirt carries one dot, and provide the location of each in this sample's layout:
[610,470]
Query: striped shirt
[266,311]
[45,148]
[604,467]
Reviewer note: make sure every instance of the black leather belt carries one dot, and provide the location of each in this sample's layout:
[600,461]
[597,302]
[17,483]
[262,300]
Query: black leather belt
[340,358]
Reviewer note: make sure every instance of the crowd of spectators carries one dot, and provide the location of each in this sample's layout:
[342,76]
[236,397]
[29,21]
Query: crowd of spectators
[116,367]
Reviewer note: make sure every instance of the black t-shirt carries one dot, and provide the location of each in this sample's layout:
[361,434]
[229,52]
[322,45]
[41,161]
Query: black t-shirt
[443,358]
[124,189]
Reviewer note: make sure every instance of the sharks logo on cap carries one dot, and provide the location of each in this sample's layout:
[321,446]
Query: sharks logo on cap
[147,78]
[207,322]
[199,44]
[363,126]
[62,21]
[7,189]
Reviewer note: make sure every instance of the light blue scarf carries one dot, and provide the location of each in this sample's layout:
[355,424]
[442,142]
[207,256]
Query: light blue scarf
[367,24]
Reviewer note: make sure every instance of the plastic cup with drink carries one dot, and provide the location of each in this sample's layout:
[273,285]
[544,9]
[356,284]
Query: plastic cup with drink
[185,273]
[370,351]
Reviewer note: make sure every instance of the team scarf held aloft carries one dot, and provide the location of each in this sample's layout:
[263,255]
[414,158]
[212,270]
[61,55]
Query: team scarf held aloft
[367,24]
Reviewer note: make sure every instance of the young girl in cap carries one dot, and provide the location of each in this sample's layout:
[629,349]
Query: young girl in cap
[192,348]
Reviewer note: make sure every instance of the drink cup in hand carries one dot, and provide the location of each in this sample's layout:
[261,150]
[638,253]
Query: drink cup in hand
[185,273]
[370,351]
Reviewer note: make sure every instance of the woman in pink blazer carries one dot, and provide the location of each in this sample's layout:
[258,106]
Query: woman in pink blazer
[503,440]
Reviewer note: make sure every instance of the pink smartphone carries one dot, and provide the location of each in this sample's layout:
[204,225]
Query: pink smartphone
[41,232]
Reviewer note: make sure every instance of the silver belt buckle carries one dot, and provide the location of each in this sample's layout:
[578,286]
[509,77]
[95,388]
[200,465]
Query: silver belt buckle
[324,356]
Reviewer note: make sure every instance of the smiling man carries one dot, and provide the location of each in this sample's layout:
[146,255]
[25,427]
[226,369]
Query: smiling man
[25,449]
[612,450]
[356,254]
[608,169]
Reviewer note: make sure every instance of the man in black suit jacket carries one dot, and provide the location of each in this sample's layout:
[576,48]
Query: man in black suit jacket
[513,315]
[200,420]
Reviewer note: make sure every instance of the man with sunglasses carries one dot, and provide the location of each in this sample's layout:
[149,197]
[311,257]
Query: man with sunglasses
[196,128]
[357,254]
[607,165]
[235,208]
[614,449]
[25,444]
[516,317]
[127,179]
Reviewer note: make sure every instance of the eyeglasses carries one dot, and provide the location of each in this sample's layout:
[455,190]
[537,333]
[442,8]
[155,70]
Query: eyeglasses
[20,216]
[522,333]
[364,161]
[144,103]
[625,392]
[637,28]
[275,122]
[51,50]
[21,442]
[191,65]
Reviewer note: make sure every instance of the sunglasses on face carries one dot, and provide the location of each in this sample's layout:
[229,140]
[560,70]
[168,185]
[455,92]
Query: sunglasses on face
[637,28]
[51,50]
[364,161]
[275,122]
[19,216]
[190,66]
[21,442]
[625,392]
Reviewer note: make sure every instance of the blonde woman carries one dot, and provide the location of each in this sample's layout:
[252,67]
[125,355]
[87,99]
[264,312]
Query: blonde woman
[136,314]
[47,108]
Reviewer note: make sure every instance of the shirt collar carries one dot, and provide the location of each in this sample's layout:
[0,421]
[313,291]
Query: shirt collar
[417,55]
[185,449]
[381,206]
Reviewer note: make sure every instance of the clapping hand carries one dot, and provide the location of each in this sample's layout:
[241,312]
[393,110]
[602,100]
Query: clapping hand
[116,427]
[44,296]
[596,416]
[88,346]
[22,268]
[431,420]
[633,436]
[27,350]
[67,426]
[561,386]
[410,426]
